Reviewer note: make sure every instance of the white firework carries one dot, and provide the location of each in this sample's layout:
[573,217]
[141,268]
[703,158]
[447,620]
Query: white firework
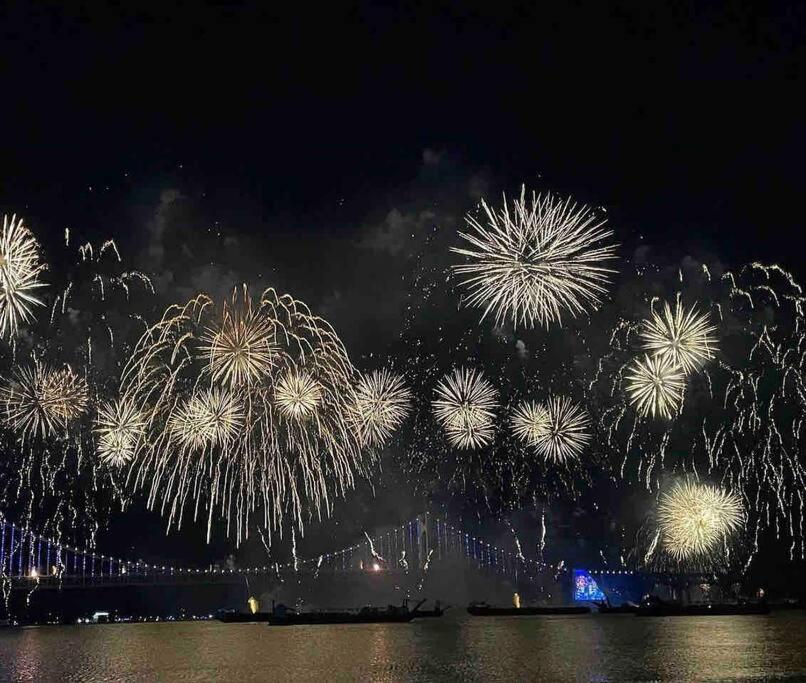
[530,421]
[535,262]
[382,403]
[684,336]
[655,386]
[465,406]
[20,267]
[566,433]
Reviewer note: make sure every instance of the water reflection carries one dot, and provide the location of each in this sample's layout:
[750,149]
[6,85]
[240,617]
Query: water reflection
[586,648]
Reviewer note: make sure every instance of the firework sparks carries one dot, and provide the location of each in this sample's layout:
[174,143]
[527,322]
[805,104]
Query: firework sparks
[685,337]
[655,386]
[382,403]
[297,395]
[535,262]
[40,401]
[465,407]
[119,426]
[565,433]
[20,266]
[695,518]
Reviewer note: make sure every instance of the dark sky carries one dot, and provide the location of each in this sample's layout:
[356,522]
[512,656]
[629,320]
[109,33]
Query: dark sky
[225,141]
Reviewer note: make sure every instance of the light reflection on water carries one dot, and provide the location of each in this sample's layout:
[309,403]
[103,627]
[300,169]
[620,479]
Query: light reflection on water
[595,648]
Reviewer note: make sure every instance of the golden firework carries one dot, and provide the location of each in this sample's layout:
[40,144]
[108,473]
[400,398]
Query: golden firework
[297,394]
[557,430]
[210,418]
[685,337]
[382,403]
[530,421]
[241,349]
[119,426]
[20,267]
[465,406]
[272,435]
[694,519]
[40,401]
[655,386]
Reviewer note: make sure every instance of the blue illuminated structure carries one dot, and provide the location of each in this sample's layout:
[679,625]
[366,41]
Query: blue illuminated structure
[585,587]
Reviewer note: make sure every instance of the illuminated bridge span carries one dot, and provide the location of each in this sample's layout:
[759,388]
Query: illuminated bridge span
[28,559]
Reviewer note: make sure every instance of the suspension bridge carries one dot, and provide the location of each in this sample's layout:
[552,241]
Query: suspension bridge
[30,560]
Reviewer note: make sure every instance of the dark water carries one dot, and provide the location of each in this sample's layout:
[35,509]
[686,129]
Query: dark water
[585,648]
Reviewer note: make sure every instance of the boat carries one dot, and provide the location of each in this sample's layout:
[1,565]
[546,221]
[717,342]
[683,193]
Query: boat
[438,611]
[655,607]
[482,609]
[287,616]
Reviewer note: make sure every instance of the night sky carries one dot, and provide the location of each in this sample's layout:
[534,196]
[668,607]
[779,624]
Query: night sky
[226,142]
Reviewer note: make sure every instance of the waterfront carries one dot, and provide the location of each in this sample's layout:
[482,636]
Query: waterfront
[596,647]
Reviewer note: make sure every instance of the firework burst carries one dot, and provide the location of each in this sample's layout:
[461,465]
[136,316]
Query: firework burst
[40,401]
[683,336]
[119,427]
[694,519]
[565,432]
[536,261]
[297,395]
[241,349]
[465,406]
[257,421]
[530,422]
[20,267]
[382,403]
[655,386]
